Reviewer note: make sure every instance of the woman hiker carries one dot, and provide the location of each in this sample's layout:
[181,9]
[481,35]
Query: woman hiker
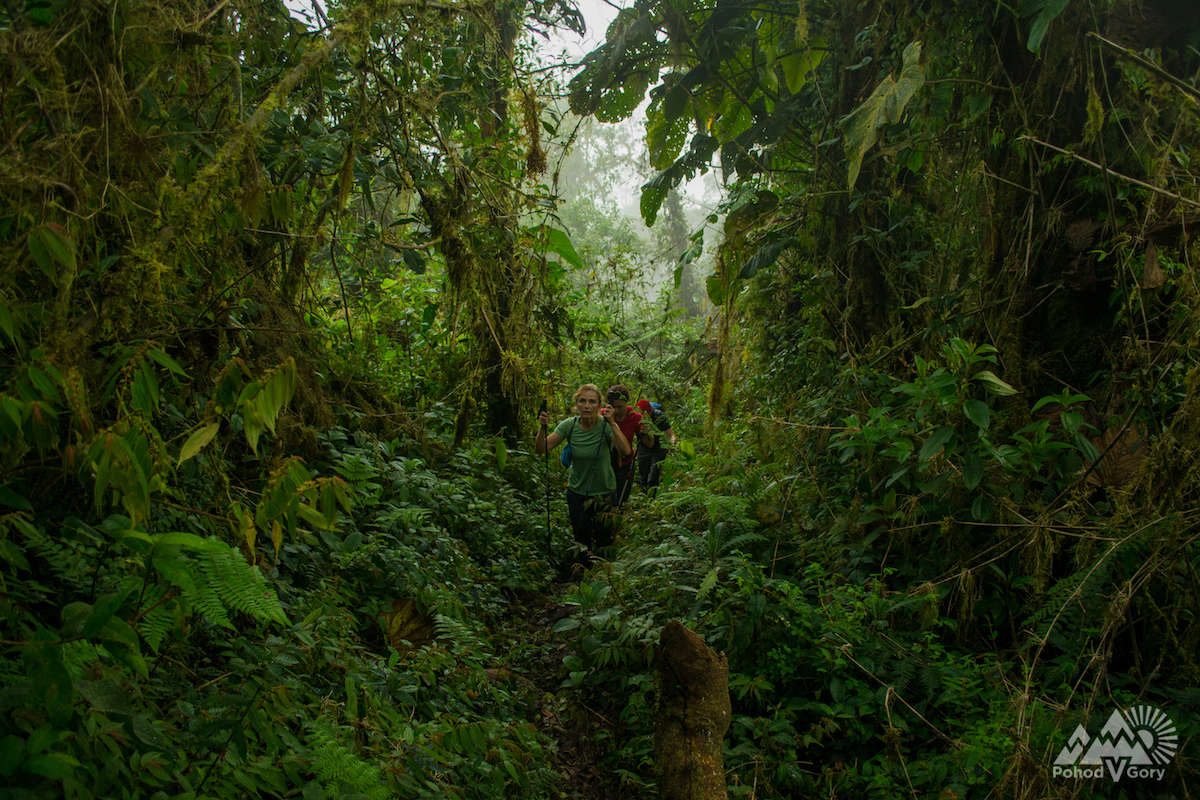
[592,437]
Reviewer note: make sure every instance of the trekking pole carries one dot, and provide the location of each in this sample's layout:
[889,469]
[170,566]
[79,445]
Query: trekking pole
[628,489]
[546,471]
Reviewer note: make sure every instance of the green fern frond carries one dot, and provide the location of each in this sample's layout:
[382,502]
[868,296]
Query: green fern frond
[163,616]
[239,585]
[906,669]
[403,519]
[213,577]
[195,589]
[696,503]
[458,633]
[66,556]
[206,599]
[745,538]
[340,769]
[1065,605]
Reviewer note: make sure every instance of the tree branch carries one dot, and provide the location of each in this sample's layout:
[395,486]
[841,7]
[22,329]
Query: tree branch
[1177,82]
[1112,172]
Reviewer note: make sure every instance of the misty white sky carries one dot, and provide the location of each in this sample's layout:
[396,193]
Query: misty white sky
[700,195]
[597,13]
[702,192]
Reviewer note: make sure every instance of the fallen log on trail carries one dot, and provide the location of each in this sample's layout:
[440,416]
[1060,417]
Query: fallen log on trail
[693,715]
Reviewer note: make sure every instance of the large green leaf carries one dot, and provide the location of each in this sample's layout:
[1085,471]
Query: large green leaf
[196,442]
[1047,11]
[53,250]
[55,766]
[764,257]
[559,243]
[697,159]
[735,120]
[676,101]
[935,443]
[717,291]
[12,755]
[615,77]
[799,65]
[978,412]
[53,682]
[622,99]
[665,137]
[972,471]
[166,361]
[7,321]
[106,696]
[884,107]
[654,191]
[993,384]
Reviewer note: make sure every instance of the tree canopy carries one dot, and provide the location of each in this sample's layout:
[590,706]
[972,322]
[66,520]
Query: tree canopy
[280,301]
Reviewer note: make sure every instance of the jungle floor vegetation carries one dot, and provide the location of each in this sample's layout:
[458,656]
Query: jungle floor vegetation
[279,301]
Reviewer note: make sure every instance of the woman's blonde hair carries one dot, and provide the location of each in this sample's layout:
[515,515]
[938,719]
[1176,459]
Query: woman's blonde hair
[587,387]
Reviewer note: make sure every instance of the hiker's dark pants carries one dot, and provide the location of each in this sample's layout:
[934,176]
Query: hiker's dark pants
[624,484]
[591,519]
[649,471]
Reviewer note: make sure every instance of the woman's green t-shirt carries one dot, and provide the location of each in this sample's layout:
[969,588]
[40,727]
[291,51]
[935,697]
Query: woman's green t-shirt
[591,465]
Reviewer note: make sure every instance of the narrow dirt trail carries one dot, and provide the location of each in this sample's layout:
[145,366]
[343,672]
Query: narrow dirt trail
[538,653]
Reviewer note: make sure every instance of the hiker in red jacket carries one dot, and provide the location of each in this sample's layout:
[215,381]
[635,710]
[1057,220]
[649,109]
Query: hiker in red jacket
[628,420]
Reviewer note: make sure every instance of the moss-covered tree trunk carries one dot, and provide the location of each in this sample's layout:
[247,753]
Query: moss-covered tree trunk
[693,715]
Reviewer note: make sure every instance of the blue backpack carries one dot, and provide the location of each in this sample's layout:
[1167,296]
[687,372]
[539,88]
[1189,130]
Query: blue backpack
[565,456]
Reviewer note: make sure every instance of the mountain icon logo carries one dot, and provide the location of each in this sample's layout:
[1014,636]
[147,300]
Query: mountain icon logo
[1137,743]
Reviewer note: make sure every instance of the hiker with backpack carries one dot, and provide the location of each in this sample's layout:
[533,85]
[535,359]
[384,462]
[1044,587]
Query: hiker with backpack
[628,420]
[651,452]
[591,437]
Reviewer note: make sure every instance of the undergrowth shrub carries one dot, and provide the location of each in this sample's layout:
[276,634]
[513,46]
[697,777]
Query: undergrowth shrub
[885,635]
[207,655]
[836,687]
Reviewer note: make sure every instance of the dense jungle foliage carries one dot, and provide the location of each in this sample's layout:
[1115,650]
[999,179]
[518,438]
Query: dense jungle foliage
[279,301]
